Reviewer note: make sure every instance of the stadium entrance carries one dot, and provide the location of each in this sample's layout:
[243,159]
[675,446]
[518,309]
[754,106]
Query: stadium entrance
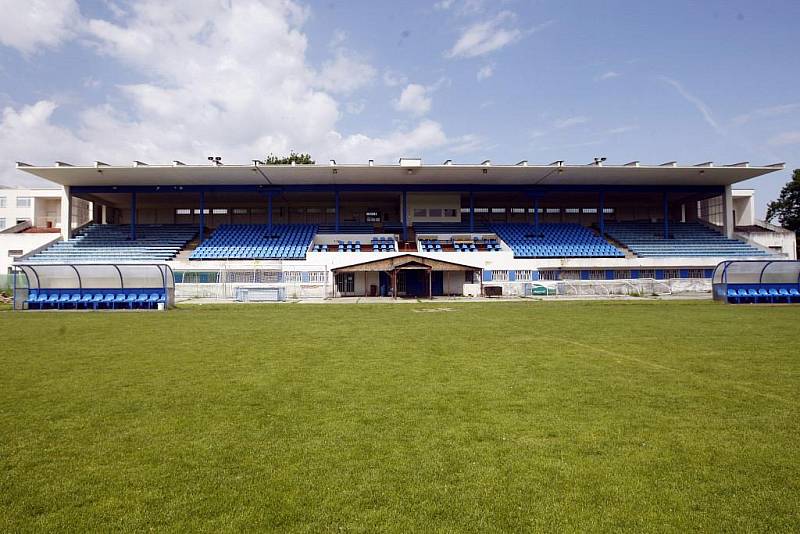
[408,275]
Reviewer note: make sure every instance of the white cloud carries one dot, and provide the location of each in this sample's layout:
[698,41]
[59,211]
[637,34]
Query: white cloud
[393,79]
[345,74]
[415,99]
[785,139]
[443,5]
[608,75]
[568,122]
[701,106]
[31,25]
[224,78]
[484,37]
[766,113]
[485,72]
[622,129]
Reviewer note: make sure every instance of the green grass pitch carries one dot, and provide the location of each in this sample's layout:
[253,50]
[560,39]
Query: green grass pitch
[527,416]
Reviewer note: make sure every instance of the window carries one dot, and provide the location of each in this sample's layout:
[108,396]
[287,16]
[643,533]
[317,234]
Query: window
[524,276]
[481,210]
[696,273]
[608,210]
[671,273]
[499,276]
[240,211]
[372,216]
[553,210]
[435,212]
[622,274]
[469,277]
[219,211]
[292,277]
[14,252]
[23,202]
[589,210]
[314,210]
[597,274]
[205,211]
[316,277]
[420,212]
[548,275]
[647,273]
[572,210]
[450,212]
[3,202]
[517,210]
[498,210]
[2,223]
[330,210]
[345,282]
[183,211]
[570,275]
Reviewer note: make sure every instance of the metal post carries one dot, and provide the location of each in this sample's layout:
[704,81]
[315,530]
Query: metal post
[133,216]
[202,215]
[430,284]
[601,218]
[404,215]
[269,214]
[336,211]
[471,211]
[666,216]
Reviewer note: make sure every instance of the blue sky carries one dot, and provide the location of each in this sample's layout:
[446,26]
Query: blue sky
[462,80]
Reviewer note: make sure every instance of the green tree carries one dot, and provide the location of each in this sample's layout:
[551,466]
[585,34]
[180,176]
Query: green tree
[293,157]
[787,208]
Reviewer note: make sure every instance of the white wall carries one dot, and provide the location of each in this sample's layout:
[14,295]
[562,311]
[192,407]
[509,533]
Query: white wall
[433,200]
[24,242]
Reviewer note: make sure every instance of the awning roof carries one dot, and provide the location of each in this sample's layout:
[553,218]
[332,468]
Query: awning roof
[398,262]
[446,174]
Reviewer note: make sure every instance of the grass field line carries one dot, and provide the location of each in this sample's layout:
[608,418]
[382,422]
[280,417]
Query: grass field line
[698,378]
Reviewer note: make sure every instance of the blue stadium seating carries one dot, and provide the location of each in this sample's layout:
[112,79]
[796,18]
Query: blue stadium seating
[63,299]
[645,238]
[112,243]
[762,293]
[252,241]
[555,240]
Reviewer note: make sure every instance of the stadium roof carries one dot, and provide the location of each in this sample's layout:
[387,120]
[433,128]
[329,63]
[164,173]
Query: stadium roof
[408,171]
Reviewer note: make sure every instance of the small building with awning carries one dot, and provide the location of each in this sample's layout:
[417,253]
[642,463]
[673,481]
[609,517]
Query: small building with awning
[406,275]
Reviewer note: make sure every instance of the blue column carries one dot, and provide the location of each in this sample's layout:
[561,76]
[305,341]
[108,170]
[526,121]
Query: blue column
[336,211]
[666,216]
[403,214]
[269,214]
[133,216]
[471,211]
[601,218]
[536,214]
[202,215]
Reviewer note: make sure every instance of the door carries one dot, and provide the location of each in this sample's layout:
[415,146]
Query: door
[437,283]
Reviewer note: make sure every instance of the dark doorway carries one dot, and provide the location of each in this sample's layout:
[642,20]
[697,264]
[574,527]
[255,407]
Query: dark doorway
[437,283]
[416,282]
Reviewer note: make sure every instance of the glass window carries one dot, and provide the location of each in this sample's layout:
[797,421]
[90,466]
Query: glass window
[345,282]
[2,223]
[240,211]
[572,210]
[589,210]
[435,212]
[14,252]
[608,210]
[553,210]
[420,212]
[219,211]
[23,202]
[205,211]
[450,212]
[183,211]
[3,202]
[498,210]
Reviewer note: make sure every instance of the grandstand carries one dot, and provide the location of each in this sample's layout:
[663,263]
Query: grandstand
[459,229]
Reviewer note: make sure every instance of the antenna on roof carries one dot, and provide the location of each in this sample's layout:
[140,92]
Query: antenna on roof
[632,164]
[558,163]
[448,162]
[177,163]
[669,164]
[486,162]
[371,162]
[523,163]
[216,160]
[598,162]
[23,164]
[333,162]
[705,164]
[138,163]
[780,165]
[740,164]
[100,164]
[62,164]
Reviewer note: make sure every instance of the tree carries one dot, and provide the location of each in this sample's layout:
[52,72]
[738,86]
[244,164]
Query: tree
[787,208]
[293,157]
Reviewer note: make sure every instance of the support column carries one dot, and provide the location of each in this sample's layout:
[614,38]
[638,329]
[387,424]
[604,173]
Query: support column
[66,213]
[405,217]
[104,214]
[269,214]
[133,217]
[601,218]
[336,211]
[471,211]
[536,215]
[430,284]
[202,215]
[666,216]
[727,214]
[394,283]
